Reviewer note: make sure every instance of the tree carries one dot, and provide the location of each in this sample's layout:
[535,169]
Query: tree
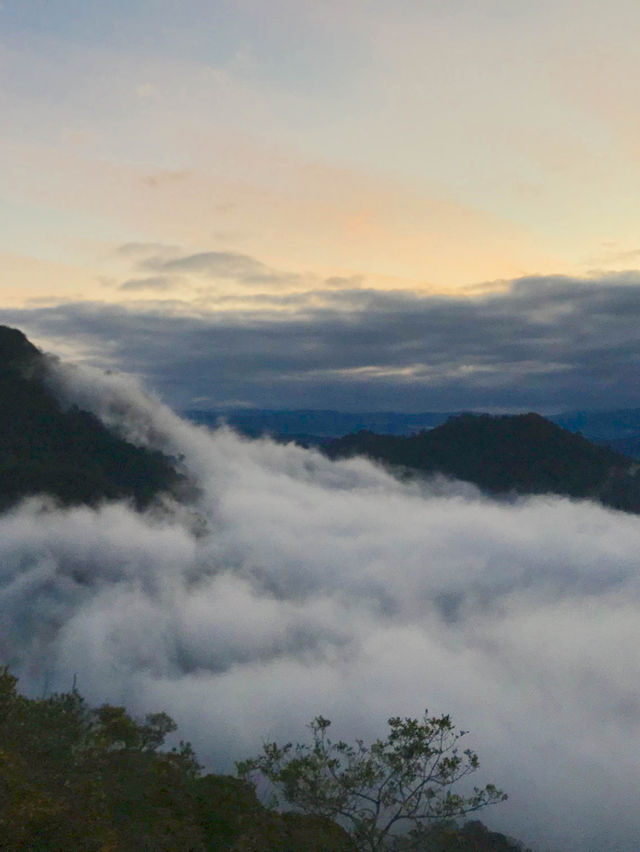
[384,794]
[91,780]
[99,780]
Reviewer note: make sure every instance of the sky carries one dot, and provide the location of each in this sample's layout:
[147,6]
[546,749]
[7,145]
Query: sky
[329,203]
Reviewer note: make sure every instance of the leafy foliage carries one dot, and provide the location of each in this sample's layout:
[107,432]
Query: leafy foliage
[447,836]
[97,780]
[72,777]
[401,782]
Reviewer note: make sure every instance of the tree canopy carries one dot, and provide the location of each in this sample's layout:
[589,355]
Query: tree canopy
[386,794]
[73,777]
[98,780]
[522,454]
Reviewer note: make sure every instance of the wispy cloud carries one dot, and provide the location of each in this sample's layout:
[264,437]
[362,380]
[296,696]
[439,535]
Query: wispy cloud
[156,283]
[230,266]
[139,251]
[164,177]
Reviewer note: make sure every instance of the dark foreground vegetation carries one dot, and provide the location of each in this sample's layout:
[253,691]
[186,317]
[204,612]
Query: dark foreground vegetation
[66,453]
[97,780]
[521,454]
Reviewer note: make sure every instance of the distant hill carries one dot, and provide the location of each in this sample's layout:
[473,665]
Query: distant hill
[627,446]
[619,430]
[601,425]
[522,454]
[314,425]
[67,453]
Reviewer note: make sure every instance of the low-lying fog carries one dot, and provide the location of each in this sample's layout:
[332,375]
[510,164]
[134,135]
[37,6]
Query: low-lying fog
[297,586]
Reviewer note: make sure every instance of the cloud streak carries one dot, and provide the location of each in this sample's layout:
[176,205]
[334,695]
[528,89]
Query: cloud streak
[154,282]
[225,265]
[298,586]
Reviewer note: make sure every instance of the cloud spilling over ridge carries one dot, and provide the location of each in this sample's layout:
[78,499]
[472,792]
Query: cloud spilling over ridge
[543,343]
[297,586]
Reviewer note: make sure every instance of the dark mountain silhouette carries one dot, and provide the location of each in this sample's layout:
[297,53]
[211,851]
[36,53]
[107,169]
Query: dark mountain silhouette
[66,453]
[601,425]
[627,446]
[522,454]
[619,430]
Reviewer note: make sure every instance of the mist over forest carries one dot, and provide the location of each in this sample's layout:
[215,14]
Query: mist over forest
[289,585]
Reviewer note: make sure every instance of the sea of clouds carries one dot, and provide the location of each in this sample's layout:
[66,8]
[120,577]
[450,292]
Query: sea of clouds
[295,586]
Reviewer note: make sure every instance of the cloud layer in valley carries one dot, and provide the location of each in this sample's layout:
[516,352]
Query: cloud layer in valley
[297,586]
[543,343]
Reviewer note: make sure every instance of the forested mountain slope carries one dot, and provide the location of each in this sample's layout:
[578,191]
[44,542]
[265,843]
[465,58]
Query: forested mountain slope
[525,454]
[73,777]
[64,452]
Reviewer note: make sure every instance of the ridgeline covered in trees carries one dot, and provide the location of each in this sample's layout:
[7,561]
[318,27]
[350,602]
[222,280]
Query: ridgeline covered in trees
[66,453]
[521,454]
[88,779]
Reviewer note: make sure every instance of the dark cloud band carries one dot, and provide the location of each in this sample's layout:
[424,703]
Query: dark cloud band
[543,343]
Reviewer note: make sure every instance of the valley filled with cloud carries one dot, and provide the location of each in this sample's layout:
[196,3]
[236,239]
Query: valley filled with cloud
[295,586]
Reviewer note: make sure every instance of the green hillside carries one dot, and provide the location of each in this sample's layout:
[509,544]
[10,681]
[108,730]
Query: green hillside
[66,453]
[83,779]
[525,454]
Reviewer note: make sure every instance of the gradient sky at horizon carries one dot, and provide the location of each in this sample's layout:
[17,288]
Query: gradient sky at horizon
[212,155]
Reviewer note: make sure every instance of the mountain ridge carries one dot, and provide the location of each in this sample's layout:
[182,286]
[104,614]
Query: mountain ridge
[66,453]
[502,454]
[619,429]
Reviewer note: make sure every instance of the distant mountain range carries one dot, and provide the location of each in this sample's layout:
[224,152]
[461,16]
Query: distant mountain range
[314,424]
[618,429]
[506,454]
[67,453]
